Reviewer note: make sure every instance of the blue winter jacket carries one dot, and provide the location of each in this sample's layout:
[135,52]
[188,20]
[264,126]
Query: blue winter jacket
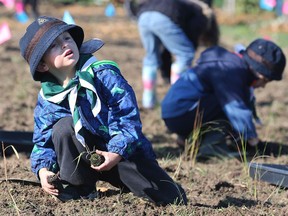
[118,122]
[223,74]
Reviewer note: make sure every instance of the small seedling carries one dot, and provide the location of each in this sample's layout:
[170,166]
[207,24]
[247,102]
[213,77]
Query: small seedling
[192,144]
[95,159]
[194,140]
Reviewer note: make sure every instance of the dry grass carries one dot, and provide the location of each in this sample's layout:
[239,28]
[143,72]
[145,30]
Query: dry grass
[214,186]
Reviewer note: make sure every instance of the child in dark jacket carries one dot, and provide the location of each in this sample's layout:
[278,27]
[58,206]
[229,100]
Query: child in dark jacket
[219,88]
[86,105]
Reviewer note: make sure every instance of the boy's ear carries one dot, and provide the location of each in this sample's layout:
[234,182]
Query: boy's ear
[42,67]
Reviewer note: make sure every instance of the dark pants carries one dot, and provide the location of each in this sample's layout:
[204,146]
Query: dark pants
[209,109]
[142,176]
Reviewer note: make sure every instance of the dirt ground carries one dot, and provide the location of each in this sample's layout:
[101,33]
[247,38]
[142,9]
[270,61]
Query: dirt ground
[215,186]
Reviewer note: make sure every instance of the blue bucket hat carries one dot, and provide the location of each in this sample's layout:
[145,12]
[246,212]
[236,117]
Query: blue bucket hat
[266,58]
[40,35]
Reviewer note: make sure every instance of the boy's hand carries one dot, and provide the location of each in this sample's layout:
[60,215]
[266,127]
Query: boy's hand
[49,188]
[111,159]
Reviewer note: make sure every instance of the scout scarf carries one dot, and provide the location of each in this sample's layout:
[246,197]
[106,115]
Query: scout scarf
[80,85]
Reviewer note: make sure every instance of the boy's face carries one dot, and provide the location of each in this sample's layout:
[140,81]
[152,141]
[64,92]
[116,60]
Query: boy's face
[260,82]
[62,55]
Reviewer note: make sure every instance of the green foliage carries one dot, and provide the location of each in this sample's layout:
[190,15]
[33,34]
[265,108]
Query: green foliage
[246,6]
[218,3]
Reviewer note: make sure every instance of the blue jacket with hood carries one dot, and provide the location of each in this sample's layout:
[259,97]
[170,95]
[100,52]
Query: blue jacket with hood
[225,75]
[118,122]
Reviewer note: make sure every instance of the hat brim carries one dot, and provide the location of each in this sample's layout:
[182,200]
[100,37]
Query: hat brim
[260,68]
[91,46]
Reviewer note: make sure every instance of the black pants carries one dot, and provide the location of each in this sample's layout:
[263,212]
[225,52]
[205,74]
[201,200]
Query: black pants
[142,176]
[210,110]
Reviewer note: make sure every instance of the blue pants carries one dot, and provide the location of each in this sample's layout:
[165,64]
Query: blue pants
[156,30]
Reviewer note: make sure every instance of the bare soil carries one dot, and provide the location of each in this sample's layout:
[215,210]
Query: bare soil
[215,186]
